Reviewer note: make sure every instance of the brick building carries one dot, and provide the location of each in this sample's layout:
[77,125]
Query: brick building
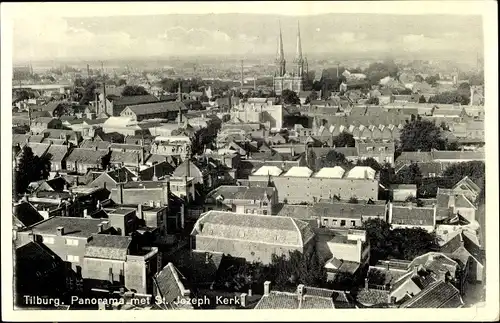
[242,199]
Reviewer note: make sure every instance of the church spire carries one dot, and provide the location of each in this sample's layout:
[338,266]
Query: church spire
[298,55]
[280,56]
[299,60]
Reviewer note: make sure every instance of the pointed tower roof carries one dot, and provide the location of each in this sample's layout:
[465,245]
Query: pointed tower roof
[298,55]
[280,55]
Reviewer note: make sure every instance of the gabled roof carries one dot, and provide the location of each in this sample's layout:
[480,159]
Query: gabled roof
[438,295]
[132,100]
[106,246]
[161,169]
[312,298]
[242,193]
[156,107]
[412,216]
[91,144]
[268,171]
[299,171]
[170,285]
[57,152]
[90,156]
[26,214]
[361,172]
[469,184]
[330,172]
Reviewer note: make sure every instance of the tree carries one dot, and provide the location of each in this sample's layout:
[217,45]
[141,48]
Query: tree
[353,200]
[421,99]
[410,174]
[421,135]
[475,170]
[297,268]
[378,233]
[121,82]
[29,168]
[289,97]
[134,90]
[419,78]
[334,158]
[88,91]
[398,243]
[410,243]
[388,175]
[374,101]
[344,139]
[432,79]
[370,162]
[450,97]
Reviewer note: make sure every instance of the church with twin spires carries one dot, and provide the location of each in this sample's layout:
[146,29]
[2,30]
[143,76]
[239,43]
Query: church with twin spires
[282,79]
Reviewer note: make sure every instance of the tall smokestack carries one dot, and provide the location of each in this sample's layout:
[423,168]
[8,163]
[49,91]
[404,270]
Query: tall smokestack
[88,70]
[104,87]
[241,87]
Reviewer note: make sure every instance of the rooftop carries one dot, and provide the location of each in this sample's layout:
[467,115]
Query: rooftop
[242,193]
[73,227]
[105,246]
[299,171]
[257,228]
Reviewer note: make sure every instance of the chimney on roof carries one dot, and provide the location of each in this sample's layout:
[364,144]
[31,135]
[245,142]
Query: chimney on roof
[85,213]
[300,290]
[60,231]
[267,284]
[139,212]
[207,258]
[100,228]
[243,300]
[155,177]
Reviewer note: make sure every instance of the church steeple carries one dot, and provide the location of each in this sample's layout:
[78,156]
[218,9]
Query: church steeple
[299,60]
[280,56]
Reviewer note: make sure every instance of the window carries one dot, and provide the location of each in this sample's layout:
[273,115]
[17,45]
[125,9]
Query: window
[264,203]
[48,240]
[72,258]
[334,222]
[72,242]
[342,223]
[325,222]
[264,212]
[353,223]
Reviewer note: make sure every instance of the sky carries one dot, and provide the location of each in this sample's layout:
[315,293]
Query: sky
[111,31]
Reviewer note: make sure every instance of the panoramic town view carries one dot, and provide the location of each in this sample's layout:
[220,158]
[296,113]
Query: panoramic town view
[245,161]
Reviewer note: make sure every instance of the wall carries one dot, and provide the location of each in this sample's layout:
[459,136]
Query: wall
[305,189]
[330,222]
[242,249]
[141,196]
[98,269]
[402,194]
[60,248]
[467,213]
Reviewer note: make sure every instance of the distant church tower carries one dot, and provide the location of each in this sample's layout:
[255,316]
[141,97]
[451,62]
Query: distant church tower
[283,80]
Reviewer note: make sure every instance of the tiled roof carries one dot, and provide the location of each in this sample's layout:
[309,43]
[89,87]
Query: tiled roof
[413,156]
[157,107]
[196,267]
[38,149]
[61,134]
[158,159]
[83,155]
[163,168]
[170,284]
[312,298]
[105,246]
[26,214]
[412,216]
[57,152]
[19,139]
[242,192]
[467,155]
[91,144]
[438,295]
[120,175]
[347,210]
[33,253]
[452,244]
[372,296]
[249,227]
[73,227]
[128,157]
[132,100]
